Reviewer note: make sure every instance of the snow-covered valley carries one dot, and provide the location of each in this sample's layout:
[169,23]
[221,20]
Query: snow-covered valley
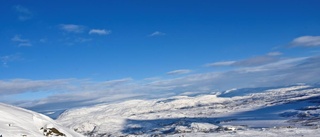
[278,111]
[282,111]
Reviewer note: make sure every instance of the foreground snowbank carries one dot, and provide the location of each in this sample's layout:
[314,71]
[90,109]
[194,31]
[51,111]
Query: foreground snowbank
[18,122]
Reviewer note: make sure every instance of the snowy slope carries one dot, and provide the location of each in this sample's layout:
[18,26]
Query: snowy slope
[18,122]
[286,111]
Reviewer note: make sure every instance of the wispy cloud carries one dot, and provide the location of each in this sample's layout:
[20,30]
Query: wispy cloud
[72,28]
[306,41]
[280,64]
[21,42]
[222,63]
[253,61]
[281,72]
[17,38]
[116,82]
[81,40]
[100,31]
[9,58]
[276,53]
[24,13]
[256,61]
[70,41]
[157,33]
[179,72]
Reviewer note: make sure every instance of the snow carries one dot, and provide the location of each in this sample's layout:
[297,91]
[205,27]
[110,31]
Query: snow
[18,122]
[283,111]
[270,132]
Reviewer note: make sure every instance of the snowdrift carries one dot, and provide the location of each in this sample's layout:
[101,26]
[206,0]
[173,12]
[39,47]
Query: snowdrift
[19,122]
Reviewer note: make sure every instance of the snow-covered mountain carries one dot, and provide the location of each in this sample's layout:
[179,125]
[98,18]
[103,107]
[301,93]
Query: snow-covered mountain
[19,122]
[283,111]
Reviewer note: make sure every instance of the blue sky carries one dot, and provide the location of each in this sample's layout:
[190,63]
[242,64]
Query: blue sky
[78,52]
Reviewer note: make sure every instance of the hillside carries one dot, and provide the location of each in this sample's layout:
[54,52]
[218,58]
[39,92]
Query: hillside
[19,122]
[282,111]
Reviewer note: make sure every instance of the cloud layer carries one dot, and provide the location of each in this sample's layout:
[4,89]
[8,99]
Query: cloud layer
[66,93]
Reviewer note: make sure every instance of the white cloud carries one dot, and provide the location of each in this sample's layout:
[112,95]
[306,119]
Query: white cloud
[276,53]
[307,41]
[24,13]
[21,42]
[178,72]
[72,28]
[222,63]
[157,33]
[99,31]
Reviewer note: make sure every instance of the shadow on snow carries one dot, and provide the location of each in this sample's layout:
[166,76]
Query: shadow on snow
[168,125]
